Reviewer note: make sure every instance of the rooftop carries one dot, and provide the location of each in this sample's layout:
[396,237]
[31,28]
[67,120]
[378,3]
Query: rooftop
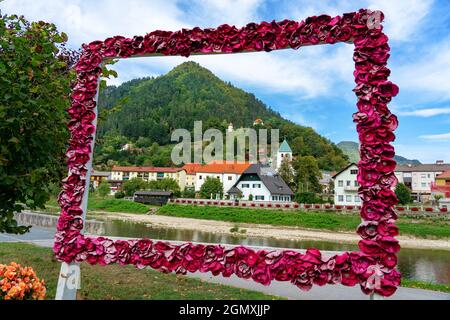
[271,179]
[430,167]
[217,167]
[146,169]
[284,147]
[444,175]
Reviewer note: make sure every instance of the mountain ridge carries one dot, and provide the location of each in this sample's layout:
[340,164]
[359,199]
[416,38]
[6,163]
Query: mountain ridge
[156,106]
[351,149]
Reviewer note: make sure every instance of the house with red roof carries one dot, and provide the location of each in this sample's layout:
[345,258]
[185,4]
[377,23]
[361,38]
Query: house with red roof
[226,171]
[120,174]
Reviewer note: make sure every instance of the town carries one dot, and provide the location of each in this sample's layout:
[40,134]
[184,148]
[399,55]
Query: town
[428,184]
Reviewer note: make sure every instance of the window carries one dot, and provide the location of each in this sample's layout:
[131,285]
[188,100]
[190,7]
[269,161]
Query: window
[259,197]
[340,183]
[341,198]
[348,183]
[423,176]
[230,178]
[245,185]
[424,184]
[218,177]
[275,198]
[348,198]
[257,185]
[429,176]
[356,183]
[357,199]
[355,171]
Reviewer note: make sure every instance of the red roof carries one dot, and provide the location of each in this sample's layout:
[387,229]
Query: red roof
[217,167]
[146,169]
[444,175]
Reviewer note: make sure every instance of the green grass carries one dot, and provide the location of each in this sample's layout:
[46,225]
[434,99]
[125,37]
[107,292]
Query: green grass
[422,228]
[426,285]
[124,283]
[116,205]
[108,204]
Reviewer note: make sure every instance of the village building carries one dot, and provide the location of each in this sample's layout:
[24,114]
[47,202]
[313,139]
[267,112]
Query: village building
[441,188]
[227,172]
[120,174]
[260,183]
[98,177]
[423,180]
[420,178]
[346,186]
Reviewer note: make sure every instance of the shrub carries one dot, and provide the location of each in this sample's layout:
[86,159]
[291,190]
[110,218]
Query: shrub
[119,195]
[20,283]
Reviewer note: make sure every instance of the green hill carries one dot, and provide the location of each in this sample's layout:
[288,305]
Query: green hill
[351,149]
[154,107]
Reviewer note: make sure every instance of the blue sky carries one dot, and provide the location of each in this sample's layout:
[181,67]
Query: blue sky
[311,86]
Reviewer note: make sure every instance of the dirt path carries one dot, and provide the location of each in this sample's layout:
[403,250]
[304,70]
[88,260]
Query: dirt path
[267,231]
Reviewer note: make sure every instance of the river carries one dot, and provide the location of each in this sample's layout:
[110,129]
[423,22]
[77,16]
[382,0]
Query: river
[415,264]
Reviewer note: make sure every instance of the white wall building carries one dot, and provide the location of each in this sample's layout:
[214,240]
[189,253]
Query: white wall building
[123,174]
[346,186]
[420,178]
[262,184]
[227,172]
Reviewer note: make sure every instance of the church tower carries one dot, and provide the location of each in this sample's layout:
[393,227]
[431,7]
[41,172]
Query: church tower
[284,152]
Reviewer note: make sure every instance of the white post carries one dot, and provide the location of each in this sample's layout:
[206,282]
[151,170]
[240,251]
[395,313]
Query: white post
[70,274]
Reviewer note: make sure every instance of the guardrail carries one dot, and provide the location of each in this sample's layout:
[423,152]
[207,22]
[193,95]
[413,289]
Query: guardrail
[295,205]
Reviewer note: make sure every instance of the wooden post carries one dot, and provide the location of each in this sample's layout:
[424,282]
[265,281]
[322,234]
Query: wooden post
[69,280]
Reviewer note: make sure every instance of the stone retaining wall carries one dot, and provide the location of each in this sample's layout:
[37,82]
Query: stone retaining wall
[50,221]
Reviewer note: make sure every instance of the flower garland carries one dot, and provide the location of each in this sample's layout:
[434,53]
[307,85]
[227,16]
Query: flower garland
[375,126]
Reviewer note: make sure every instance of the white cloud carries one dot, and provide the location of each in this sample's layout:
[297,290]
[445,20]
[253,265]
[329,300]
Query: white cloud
[427,75]
[402,17]
[86,21]
[430,112]
[217,12]
[437,137]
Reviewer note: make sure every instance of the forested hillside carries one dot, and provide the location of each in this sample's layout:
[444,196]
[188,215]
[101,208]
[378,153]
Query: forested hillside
[151,108]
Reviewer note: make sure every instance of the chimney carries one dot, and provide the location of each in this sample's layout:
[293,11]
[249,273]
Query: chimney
[439,162]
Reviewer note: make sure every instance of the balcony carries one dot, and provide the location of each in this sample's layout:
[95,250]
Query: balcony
[351,188]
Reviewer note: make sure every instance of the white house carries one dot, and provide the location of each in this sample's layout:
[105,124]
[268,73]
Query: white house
[121,174]
[261,183]
[420,178]
[227,172]
[346,186]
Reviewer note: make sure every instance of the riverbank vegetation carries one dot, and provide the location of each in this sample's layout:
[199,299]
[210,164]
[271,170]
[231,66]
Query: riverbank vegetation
[424,227]
[97,203]
[124,283]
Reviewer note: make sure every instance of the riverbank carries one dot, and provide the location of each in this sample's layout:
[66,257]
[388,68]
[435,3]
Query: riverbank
[262,230]
[122,283]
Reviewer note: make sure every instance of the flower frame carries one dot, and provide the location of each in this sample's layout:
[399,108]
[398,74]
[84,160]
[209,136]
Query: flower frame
[375,124]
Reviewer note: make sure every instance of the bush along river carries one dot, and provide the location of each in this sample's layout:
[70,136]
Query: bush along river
[414,264]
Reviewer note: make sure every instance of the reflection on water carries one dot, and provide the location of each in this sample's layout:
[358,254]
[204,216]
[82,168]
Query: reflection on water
[417,264]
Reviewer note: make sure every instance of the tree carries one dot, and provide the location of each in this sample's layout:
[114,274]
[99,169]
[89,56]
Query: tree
[133,185]
[403,194]
[211,186]
[34,94]
[103,189]
[307,174]
[286,172]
